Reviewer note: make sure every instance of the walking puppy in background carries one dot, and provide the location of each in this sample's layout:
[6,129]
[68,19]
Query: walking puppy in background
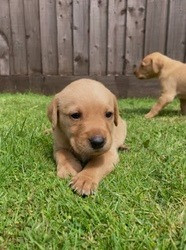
[172,76]
[88,132]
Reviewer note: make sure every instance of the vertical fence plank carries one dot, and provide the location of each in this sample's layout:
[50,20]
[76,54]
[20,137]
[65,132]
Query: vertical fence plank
[4,56]
[98,36]
[48,36]
[5,38]
[156,24]
[18,36]
[5,29]
[134,33]
[116,36]
[177,30]
[80,36]
[33,36]
[64,31]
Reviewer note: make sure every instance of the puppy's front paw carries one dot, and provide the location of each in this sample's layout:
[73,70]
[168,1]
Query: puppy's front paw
[83,184]
[149,115]
[65,172]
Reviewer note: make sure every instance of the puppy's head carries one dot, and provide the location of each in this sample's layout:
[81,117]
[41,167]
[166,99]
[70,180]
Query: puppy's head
[86,112]
[150,66]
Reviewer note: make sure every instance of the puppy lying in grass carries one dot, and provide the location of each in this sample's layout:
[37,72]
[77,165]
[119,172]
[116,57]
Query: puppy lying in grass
[88,132]
[172,75]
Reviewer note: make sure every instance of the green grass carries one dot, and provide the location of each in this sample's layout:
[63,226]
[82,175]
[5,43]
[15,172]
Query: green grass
[138,206]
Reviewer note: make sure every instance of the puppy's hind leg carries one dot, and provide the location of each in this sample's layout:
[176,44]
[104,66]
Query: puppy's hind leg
[183,106]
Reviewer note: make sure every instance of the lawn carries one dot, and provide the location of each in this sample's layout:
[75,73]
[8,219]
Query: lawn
[138,206]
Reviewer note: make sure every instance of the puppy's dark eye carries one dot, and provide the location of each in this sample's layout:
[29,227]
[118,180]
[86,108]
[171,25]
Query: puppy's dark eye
[75,116]
[108,114]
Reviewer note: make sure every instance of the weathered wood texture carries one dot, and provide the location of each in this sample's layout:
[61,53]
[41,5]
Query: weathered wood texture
[134,33]
[116,36]
[48,36]
[176,40]
[4,56]
[32,27]
[156,25]
[81,36]
[64,36]
[100,38]
[6,59]
[17,20]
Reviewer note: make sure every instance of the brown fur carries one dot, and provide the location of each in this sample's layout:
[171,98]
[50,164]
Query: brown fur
[72,149]
[172,76]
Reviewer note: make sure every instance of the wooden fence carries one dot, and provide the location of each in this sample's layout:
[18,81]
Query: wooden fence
[44,44]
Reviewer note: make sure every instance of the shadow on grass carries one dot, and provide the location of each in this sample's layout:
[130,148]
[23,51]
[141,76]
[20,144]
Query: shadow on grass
[143,111]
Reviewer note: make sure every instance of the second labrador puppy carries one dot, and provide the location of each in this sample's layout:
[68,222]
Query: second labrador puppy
[87,132]
[172,76]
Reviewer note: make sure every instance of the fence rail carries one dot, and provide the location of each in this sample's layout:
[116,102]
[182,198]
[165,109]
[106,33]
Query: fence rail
[88,37]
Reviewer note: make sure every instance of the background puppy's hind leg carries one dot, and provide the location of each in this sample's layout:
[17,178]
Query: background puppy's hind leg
[164,100]
[183,106]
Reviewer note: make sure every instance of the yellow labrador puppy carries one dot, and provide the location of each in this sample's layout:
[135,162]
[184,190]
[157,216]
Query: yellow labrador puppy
[172,75]
[88,132]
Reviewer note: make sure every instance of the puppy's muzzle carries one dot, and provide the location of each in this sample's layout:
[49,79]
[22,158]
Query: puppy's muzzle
[136,73]
[97,142]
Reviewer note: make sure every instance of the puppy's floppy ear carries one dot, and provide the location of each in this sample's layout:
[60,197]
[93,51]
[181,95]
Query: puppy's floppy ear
[116,111]
[156,65]
[143,63]
[146,62]
[52,112]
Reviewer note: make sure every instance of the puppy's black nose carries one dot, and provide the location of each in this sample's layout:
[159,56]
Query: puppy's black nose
[97,142]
